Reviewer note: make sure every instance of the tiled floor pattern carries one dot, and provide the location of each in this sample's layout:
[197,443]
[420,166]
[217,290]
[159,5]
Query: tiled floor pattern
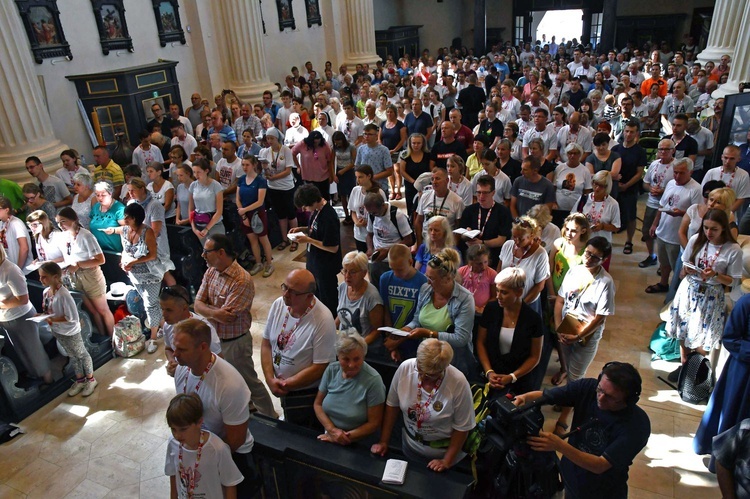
[113,443]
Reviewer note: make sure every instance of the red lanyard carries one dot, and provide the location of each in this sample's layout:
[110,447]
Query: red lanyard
[704,262]
[283,340]
[422,409]
[481,225]
[512,255]
[731,179]
[188,475]
[593,217]
[200,381]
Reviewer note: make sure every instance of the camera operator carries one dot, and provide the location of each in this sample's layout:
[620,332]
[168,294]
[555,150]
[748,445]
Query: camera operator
[609,431]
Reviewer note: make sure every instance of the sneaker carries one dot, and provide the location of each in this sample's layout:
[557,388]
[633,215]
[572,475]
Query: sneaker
[256,268]
[268,270]
[89,389]
[151,346]
[77,388]
[650,261]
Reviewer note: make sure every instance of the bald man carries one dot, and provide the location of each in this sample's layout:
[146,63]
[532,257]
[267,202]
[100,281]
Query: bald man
[573,132]
[298,344]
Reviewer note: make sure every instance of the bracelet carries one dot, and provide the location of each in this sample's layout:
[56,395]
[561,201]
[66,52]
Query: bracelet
[488,372]
[513,377]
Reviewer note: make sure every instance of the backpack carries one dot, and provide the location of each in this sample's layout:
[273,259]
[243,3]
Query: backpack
[393,211]
[696,379]
[128,339]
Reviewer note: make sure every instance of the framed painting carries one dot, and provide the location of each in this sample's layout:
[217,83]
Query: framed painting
[312,9]
[41,19]
[168,22]
[286,15]
[113,29]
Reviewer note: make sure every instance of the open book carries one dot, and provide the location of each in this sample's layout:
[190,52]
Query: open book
[393,330]
[471,234]
[395,471]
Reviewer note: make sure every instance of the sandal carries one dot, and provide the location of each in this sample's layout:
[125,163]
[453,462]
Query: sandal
[559,377]
[293,247]
[657,288]
[398,195]
[628,249]
[282,246]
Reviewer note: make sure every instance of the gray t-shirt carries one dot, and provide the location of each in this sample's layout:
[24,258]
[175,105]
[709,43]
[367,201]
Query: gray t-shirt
[347,400]
[204,197]
[55,189]
[530,194]
[356,313]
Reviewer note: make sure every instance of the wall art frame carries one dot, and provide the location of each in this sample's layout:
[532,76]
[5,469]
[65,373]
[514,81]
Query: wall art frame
[312,9]
[168,22]
[286,15]
[112,26]
[41,20]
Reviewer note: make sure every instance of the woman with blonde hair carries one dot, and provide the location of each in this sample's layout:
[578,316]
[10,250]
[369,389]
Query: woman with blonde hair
[600,208]
[440,236]
[525,250]
[437,429]
[360,305]
[46,237]
[549,231]
[457,181]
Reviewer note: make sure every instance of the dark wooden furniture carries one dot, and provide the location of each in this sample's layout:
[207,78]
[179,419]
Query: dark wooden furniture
[397,41]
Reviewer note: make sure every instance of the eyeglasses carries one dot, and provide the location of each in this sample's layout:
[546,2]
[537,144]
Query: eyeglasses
[480,193]
[33,225]
[349,272]
[589,255]
[285,289]
[30,198]
[206,251]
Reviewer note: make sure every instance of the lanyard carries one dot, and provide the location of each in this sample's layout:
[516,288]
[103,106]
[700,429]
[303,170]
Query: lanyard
[481,225]
[708,263]
[422,408]
[200,381]
[188,476]
[282,342]
[593,217]
[434,199]
[731,179]
[513,257]
[69,245]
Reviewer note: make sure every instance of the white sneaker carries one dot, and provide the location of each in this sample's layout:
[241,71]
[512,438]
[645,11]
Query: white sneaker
[256,268]
[89,388]
[151,346]
[268,270]
[76,388]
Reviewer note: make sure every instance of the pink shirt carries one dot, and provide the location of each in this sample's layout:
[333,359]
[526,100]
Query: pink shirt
[478,284]
[314,165]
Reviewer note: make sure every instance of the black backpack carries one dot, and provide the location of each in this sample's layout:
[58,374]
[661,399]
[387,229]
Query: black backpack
[393,211]
[696,379]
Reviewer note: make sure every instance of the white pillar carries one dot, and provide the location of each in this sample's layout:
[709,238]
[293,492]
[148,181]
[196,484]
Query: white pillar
[725,27]
[361,33]
[245,68]
[25,124]
[739,70]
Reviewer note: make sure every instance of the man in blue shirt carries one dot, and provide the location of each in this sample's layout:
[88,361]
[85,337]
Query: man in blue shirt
[502,67]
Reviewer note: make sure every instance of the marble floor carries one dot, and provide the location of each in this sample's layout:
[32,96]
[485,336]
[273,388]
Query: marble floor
[113,443]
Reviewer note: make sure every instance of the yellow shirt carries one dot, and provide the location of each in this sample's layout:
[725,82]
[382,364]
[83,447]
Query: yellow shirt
[473,165]
[112,172]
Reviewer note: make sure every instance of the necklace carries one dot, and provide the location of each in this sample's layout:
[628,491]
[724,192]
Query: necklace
[282,342]
[189,476]
[422,408]
[203,376]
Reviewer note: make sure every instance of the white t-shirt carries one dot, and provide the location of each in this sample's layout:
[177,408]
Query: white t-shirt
[430,205]
[13,283]
[229,172]
[463,188]
[550,234]
[606,212]
[62,304]
[598,298]
[357,206]
[728,261]
[503,185]
[548,136]
[216,468]
[535,265]
[451,407]
[312,342]
[277,163]
[169,333]
[512,106]
[83,247]
[681,197]
[705,140]
[739,180]
[189,144]
[657,175]
[15,229]
[169,211]
[570,184]
[582,137]
[225,398]
[282,115]
[143,158]
[49,249]
[384,233]
[67,176]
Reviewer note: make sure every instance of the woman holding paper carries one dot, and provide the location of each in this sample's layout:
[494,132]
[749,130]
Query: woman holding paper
[436,404]
[15,310]
[45,237]
[712,259]
[351,395]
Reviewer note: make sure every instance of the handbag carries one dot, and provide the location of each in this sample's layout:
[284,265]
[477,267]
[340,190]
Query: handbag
[256,224]
[696,379]
[202,218]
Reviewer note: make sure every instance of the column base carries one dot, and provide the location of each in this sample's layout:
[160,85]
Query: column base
[354,59]
[252,93]
[713,54]
[12,166]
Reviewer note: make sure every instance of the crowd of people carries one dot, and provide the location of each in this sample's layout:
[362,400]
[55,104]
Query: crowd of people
[516,168]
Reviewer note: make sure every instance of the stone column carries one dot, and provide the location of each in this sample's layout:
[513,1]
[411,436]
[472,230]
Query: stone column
[360,47]
[739,70]
[725,25]
[480,27]
[609,26]
[246,70]
[25,124]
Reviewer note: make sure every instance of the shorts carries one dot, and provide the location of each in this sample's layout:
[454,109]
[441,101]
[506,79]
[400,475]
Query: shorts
[648,220]
[628,207]
[668,253]
[247,229]
[282,203]
[91,282]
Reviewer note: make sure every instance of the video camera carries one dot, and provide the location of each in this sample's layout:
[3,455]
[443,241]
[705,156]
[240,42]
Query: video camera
[508,424]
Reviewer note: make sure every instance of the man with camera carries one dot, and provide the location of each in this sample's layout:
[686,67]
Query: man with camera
[609,430]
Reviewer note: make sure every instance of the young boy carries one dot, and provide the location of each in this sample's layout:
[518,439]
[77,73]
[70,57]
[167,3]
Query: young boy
[198,463]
